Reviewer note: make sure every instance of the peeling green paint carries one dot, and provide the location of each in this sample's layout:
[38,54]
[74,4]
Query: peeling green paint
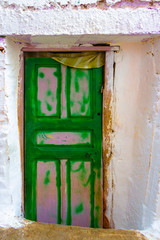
[88,181]
[58,185]
[79,208]
[96,218]
[80,97]
[49,107]
[84,135]
[41,75]
[47,177]
[68,181]
[56,73]
[81,166]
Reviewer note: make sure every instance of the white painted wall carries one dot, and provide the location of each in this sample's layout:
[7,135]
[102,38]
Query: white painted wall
[5,196]
[136,144]
[10,174]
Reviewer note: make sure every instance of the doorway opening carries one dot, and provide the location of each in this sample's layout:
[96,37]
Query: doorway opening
[63,142]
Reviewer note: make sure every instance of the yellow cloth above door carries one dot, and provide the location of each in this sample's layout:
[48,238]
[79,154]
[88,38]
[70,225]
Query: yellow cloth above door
[84,60]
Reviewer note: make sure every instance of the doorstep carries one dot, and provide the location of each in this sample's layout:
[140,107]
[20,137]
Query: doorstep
[43,231]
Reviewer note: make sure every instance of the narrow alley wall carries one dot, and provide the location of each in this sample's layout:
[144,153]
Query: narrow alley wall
[135,170]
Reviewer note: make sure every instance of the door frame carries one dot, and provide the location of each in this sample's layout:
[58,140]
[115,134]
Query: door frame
[107,118]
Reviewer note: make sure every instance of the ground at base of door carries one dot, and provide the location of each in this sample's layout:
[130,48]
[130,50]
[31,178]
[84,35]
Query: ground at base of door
[41,231]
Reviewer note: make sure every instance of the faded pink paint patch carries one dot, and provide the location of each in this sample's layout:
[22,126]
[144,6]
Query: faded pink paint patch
[80,194]
[47,91]
[63,138]
[46,192]
[80,93]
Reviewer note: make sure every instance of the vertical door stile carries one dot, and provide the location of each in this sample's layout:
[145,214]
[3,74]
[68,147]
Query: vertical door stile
[58,184]
[68,181]
[98,208]
[68,76]
[63,95]
[92,193]
[63,191]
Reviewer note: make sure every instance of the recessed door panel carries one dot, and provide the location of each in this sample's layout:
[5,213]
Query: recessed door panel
[64,138]
[81,193]
[47,92]
[80,92]
[47,188]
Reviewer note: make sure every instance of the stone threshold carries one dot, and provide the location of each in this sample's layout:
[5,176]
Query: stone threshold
[44,231]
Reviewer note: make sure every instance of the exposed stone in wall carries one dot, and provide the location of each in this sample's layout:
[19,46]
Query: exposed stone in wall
[52,18]
[77,4]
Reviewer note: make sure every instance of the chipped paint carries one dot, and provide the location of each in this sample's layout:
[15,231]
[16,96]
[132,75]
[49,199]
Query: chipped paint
[107,142]
[64,138]
[76,4]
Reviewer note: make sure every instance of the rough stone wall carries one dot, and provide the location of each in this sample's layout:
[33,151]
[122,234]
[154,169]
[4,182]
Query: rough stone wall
[46,17]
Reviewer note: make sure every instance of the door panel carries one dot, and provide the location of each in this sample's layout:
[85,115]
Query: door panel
[63,141]
[80,97]
[80,193]
[47,188]
[64,138]
[48,88]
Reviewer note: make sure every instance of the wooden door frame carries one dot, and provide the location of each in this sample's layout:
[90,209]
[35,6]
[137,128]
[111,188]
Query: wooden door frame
[107,110]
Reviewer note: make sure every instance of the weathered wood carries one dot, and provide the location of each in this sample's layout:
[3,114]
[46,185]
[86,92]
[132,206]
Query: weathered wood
[73,49]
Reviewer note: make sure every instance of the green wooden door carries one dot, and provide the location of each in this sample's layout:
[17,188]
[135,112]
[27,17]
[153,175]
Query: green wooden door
[63,143]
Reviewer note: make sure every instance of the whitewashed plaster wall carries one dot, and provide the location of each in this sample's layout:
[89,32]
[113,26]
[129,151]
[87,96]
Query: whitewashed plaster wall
[45,17]
[136,135]
[10,174]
